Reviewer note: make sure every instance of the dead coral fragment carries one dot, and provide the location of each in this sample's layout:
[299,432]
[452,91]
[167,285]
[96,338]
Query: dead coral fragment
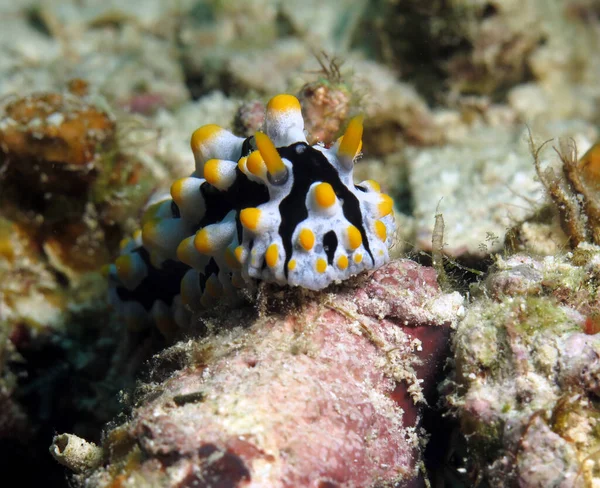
[67,190]
[76,453]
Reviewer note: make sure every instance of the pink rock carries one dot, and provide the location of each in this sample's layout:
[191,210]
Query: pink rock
[327,394]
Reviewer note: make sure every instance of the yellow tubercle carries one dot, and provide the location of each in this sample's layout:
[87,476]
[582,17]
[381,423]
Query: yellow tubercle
[374,185]
[352,139]
[283,103]
[206,300]
[354,237]
[150,233]
[124,267]
[256,164]
[386,204]
[156,259]
[177,190]
[213,287]
[212,172]
[342,262]
[324,195]
[306,238]
[269,153]
[151,212]
[231,259]
[202,241]
[250,218]
[204,134]
[166,326]
[292,265]
[242,164]
[183,250]
[239,254]
[321,265]
[358,257]
[105,271]
[123,243]
[186,296]
[380,230]
[272,255]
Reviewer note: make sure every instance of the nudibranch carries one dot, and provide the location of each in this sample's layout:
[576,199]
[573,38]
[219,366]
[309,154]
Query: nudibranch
[266,208]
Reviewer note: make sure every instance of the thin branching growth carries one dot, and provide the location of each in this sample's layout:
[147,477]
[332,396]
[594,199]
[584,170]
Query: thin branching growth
[330,67]
[577,206]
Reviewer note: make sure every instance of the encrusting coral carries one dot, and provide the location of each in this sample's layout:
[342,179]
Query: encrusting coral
[269,208]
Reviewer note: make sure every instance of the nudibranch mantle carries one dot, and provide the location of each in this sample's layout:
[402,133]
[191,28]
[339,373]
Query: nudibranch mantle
[269,208]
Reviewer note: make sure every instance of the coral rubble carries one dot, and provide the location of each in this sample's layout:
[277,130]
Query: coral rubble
[525,381]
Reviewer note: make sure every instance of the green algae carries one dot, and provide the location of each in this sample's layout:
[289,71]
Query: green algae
[542,315]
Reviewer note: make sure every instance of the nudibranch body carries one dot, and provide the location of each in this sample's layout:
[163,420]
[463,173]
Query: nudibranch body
[268,208]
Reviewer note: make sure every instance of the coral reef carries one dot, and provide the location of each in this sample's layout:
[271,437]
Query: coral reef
[500,176]
[318,391]
[490,47]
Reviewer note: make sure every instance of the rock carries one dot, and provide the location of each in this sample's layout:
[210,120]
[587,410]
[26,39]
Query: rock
[494,167]
[319,390]
[51,141]
[525,383]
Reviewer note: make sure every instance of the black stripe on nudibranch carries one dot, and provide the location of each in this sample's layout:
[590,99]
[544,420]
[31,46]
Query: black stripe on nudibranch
[216,202]
[160,284]
[330,243]
[310,165]
[176,214]
[244,193]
